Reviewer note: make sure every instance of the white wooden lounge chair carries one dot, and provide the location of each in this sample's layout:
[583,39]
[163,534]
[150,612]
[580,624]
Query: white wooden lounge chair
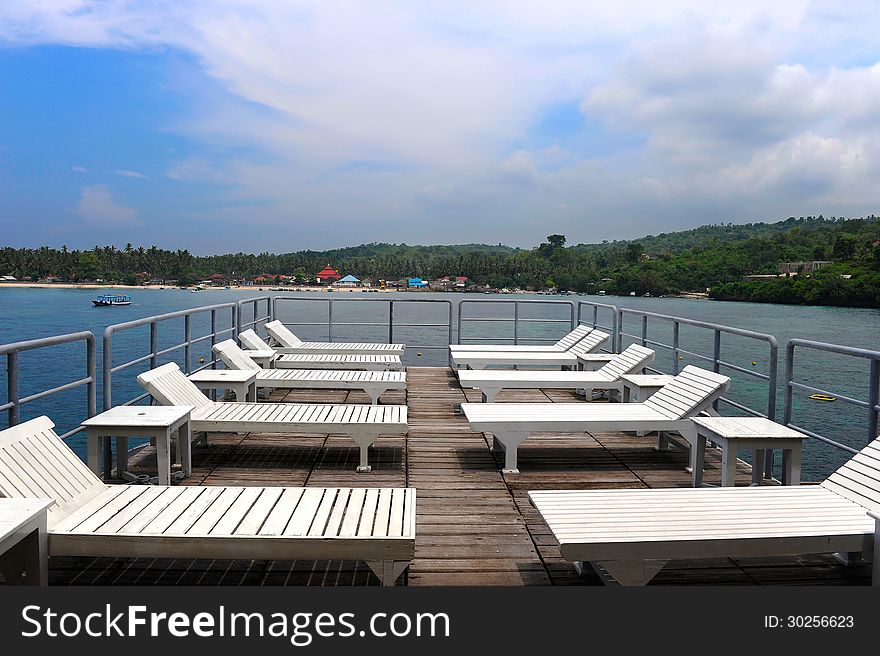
[631,534]
[491,381]
[667,410]
[364,423]
[287,342]
[570,358]
[374,383]
[147,521]
[563,344]
[326,360]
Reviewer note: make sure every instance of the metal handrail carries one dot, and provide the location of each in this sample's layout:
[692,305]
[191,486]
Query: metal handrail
[516,320]
[615,346]
[872,404]
[242,325]
[13,374]
[717,362]
[390,323]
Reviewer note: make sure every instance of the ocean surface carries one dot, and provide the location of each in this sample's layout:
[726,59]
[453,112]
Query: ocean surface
[425,329]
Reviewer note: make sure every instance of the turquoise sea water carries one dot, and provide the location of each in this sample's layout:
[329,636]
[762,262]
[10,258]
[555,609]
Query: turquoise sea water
[33,313]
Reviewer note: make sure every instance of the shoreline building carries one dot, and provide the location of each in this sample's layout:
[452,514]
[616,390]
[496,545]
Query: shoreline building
[328,275]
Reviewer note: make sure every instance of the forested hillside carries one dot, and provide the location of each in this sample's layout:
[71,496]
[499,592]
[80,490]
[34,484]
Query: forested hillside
[713,257]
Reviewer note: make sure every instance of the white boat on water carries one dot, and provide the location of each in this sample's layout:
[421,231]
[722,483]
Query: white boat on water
[105,300]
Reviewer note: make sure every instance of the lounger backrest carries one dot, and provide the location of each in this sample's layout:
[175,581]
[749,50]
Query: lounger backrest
[169,386]
[36,463]
[573,337]
[233,356]
[594,340]
[253,341]
[281,334]
[859,478]
[633,358]
[689,393]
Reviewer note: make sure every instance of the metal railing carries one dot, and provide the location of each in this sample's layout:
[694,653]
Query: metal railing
[13,375]
[871,404]
[154,353]
[611,326]
[388,322]
[514,320]
[242,325]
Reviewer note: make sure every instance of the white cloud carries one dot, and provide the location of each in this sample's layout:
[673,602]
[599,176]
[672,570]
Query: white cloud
[725,110]
[97,207]
[76,168]
[126,173]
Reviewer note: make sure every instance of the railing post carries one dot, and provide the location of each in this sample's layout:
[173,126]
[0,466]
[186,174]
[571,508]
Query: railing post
[788,397]
[237,322]
[92,373]
[391,321]
[154,344]
[187,348]
[873,399]
[675,344]
[108,395]
[615,334]
[458,336]
[213,337]
[619,330]
[516,322]
[12,393]
[716,360]
[644,330]
[330,320]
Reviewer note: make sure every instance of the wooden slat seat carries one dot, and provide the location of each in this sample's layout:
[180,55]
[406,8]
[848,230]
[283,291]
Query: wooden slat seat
[287,342]
[561,345]
[668,410]
[374,383]
[631,534]
[323,359]
[364,423]
[134,521]
[491,381]
[592,341]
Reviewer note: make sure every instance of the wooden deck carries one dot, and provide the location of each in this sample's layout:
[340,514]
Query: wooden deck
[474,525]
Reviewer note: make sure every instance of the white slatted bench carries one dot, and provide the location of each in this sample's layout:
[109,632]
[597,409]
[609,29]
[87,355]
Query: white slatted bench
[143,521]
[374,383]
[563,344]
[631,534]
[669,410]
[325,359]
[491,382]
[480,360]
[363,423]
[287,342]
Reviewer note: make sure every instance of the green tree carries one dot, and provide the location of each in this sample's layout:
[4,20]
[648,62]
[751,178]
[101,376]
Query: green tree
[88,267]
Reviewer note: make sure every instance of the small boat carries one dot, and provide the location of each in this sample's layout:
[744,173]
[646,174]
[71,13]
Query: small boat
[822,397]
[104,300]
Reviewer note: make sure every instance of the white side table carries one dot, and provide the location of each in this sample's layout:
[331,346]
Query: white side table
[23,540]
[638,387]
[243,382]
[263,357]
[734,434]
[594,361]
[155,421]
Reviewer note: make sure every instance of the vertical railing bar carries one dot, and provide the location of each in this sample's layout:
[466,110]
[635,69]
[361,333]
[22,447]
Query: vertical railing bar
[873,399]
[187,347]
[12,388]
[516,322]
[154,344]
[716,359]
[92,372]
[644,330]
[391,321]
[676,326]
[330,321]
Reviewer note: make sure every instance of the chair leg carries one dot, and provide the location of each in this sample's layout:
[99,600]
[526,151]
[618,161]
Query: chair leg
[364,441]
[388,570]
[489,394]
[511,441]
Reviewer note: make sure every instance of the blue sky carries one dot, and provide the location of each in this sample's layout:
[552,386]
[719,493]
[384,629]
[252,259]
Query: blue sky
[283,125]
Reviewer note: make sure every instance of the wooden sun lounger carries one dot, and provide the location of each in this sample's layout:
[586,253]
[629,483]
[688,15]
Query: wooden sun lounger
[490,382]
[364,423]
[287,342]
[563,344]
[323,360]
[374,383]
[667,410]
[145,521]
[631,534]
[570,358]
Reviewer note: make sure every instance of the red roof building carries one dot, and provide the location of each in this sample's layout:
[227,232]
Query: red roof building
[328,274]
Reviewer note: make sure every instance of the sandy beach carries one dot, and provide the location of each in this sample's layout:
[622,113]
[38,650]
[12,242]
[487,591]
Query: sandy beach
[73,285]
